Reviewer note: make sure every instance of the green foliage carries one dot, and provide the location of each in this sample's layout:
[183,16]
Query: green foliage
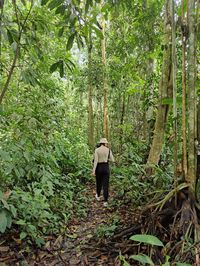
[70,41]
[144,259]
[45,207]
[41,161]
[148,239]
[7,213]
[44,157]
[129,176]
[105,230]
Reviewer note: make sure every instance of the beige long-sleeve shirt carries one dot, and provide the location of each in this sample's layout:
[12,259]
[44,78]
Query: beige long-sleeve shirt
[101,156]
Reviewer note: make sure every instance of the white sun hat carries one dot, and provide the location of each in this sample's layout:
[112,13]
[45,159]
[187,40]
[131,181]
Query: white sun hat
[103,140]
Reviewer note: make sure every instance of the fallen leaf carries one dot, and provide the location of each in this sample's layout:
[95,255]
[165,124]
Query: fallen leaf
[47,245]
[79,254]
[4,249]
[104,258]
[74,261]
[17,240]
[4,259]
[58,241]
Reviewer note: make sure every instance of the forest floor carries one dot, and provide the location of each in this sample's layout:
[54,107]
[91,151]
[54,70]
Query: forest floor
[92,240]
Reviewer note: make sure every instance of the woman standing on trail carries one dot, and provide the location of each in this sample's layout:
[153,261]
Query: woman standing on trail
[102,156]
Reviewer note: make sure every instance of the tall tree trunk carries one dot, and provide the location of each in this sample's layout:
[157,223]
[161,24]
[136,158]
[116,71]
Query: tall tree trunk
[191,176]
[148,117]
[184,141]
[165,91]
[174,91]
[105,80]
[90,97]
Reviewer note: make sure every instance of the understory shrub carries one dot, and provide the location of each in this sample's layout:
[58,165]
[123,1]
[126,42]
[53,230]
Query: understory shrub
[44,163]
[129,176]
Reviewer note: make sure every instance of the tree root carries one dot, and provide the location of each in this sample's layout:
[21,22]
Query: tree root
[175,220]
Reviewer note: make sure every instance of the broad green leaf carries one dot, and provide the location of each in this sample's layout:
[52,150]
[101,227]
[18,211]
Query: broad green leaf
[148,239]
[54,67]
[21,222]
[23,235]
[70,64]
[15,35]
[79,41]
[13,210]
[97,31]
[61,66]
[17,172]
[9,220]
[5,155]
[3,221]
[55,3]
[144,259]
[26,155]
[10,37]
[32,227]
[167,261]
[125,263]
[5,204]
[70,41]
[39,241]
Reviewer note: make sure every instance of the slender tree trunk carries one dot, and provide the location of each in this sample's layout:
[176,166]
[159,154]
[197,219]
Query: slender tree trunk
[174,91]
[5,88]
[90,98]
[191,176]
[105,80]
[122,121]
[148,118]
[165,91]
[184,147]
[17,52]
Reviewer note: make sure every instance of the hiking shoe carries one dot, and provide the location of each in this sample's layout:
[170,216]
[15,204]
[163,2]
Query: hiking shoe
[105,204]
[97,198]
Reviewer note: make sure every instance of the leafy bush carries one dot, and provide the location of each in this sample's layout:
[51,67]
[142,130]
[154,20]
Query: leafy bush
[129,177]
[41,162]
[7,213]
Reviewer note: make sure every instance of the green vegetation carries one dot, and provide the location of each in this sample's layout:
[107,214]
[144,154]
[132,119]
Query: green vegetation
[74,71]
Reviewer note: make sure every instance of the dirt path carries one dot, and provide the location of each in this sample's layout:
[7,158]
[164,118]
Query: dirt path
[80,245]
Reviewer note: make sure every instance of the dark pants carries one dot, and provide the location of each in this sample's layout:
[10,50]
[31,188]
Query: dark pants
[102,179]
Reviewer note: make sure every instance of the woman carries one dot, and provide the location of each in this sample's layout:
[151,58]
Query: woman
[102,157]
